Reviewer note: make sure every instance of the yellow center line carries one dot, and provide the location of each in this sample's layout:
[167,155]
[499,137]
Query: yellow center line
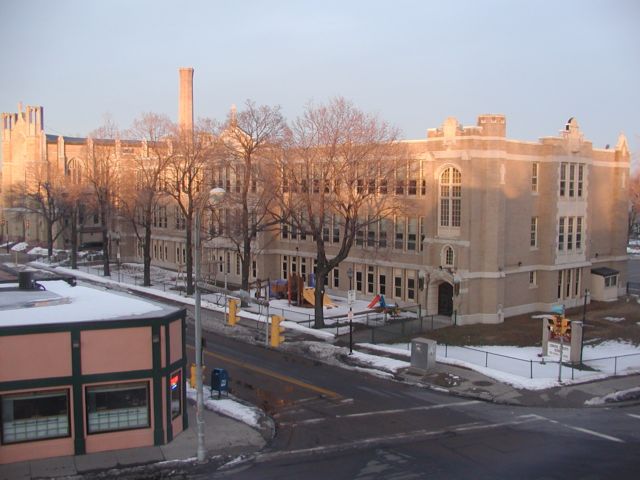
[271,373]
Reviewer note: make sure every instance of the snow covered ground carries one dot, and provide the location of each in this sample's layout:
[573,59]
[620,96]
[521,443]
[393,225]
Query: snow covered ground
[228,406]
[516,365]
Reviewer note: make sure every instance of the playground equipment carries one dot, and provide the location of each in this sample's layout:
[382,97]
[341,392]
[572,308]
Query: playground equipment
[309,297]
[381,306]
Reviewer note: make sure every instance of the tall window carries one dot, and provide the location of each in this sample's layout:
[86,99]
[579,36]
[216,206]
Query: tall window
[561,234]
[578,233]
[120,406]
[534,232]
[370,279]
[580,179]
[412,233]
[570,233]
[534,177]
[563,179]
[399,234]
[450,197]
[35,416]
[572,175]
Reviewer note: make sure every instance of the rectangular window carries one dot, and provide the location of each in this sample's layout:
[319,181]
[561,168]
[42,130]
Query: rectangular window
[285,230]
[534,177]
[559,284]
[382,284]
[422,234]
[570,233]
[572,175]
[411,288]
[580,179]
[444,212]
[412,234]
[412,188]
[336,278]
[285,266]
[533,242]
[567,288]
[611,281]
[382,235]
[120,406]
[336,230]
[397,284]
[359,281]
[563,178]
[175,385]
[533,280]
[371,234]
[576,291]
[399,234]
[578,233]
[35,416]
[399,186]
[456,207]
[383,186]
[561,234]
[370,280]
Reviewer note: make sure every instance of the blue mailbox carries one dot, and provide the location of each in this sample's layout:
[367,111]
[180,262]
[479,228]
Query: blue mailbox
[219,381]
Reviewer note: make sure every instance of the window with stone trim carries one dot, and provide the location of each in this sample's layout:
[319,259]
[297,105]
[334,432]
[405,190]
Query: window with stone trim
[534,177]
[533,241]
[450,197]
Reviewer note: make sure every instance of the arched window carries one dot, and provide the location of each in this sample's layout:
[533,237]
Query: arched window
[447,256]
[450,197]
[73,171]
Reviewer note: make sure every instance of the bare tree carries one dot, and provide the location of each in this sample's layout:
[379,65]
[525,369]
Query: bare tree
[190,164]
[101,169]
[142,191]
[43,193]
[249,142]
[337,170]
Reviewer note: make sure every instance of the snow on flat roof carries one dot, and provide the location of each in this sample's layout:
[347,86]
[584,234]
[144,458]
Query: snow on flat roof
[85,304]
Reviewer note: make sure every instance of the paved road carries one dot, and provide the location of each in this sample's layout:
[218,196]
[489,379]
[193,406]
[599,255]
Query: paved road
[342,424]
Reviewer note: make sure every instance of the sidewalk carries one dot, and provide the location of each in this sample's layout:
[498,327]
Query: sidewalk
[223,436]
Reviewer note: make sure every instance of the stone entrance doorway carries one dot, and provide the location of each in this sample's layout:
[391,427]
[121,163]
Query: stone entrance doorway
[445,299]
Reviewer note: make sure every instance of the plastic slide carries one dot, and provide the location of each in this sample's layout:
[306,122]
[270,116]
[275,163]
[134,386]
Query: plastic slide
[309,297]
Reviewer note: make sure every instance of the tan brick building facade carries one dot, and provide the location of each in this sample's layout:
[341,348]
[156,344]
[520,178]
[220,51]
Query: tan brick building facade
[501,227]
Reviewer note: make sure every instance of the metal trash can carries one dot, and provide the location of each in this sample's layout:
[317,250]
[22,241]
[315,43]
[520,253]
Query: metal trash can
[219,381]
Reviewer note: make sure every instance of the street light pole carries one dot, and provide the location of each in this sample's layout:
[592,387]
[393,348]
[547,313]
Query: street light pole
[216,194]
[584,319]
[350,275]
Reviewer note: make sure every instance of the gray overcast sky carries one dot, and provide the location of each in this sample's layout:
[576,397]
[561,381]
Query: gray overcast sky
[412,62]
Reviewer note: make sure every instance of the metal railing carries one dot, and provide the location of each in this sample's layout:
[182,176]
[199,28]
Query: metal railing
[535,368]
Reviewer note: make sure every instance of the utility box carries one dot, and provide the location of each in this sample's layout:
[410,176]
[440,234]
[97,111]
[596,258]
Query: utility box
[219,381]
[423,354]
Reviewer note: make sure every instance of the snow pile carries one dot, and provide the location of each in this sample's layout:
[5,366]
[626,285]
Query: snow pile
[20,247]
[227,406]
[619,396]
[614,319]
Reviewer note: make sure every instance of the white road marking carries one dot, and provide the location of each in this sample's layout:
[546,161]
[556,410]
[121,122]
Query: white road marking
[583,430]
[364,443]
[380,412]
[633,415]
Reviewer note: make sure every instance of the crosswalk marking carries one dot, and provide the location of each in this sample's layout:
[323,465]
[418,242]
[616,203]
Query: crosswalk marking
[380,412]
[583,430]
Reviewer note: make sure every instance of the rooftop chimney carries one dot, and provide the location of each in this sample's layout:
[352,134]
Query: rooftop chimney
[185,101]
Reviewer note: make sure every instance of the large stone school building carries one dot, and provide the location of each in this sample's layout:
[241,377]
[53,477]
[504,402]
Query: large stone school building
[499,227]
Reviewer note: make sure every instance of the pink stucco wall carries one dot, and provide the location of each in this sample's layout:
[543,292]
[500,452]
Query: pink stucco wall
[39,355]
[175,329]
[116,350]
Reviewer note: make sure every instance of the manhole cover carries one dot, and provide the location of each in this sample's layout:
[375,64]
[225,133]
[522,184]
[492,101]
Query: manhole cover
[482,383]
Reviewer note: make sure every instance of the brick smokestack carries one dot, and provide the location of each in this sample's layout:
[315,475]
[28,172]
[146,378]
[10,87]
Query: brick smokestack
[185,101]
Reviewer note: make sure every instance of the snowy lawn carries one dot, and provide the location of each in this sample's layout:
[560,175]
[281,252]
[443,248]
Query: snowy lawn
[516,365]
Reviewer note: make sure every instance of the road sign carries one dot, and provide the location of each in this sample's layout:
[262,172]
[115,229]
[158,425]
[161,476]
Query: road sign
[351,296]
[553,351]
